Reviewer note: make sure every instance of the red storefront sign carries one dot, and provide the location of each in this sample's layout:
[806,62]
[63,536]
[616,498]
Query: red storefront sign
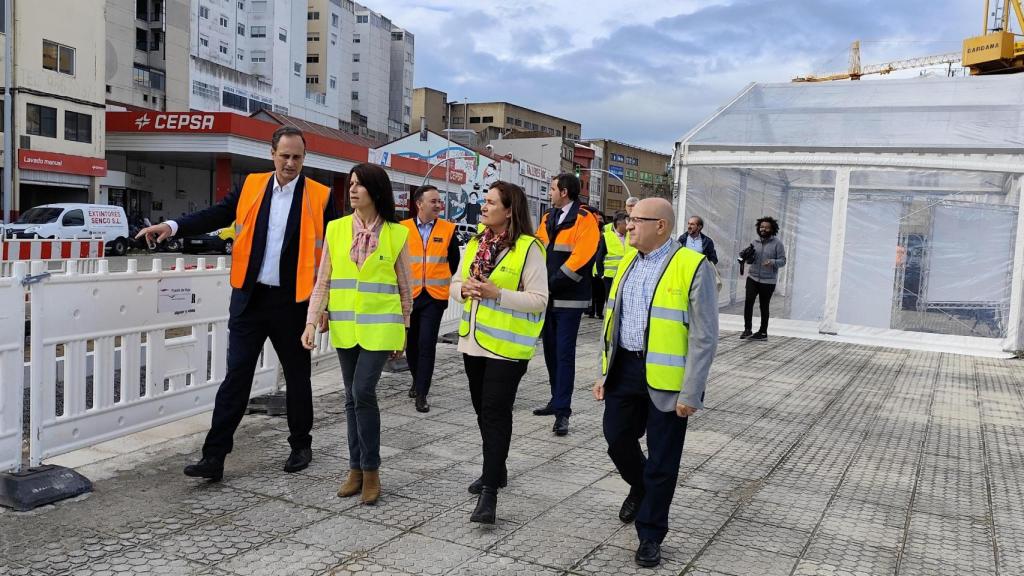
[63,163]
[217,122]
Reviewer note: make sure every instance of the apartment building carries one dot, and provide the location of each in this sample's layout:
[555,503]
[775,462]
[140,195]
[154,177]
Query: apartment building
[330,25]
[403,53]
[632,171]
[58,91]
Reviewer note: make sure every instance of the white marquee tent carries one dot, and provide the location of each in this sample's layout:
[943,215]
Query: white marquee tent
[899,203]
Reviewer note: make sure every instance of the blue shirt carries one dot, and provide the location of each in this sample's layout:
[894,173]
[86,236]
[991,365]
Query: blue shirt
[637,295]
[424,229]
[695,244]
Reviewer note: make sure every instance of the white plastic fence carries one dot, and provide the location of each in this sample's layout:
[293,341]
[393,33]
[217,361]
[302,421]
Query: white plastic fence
[97,328]
[12,354]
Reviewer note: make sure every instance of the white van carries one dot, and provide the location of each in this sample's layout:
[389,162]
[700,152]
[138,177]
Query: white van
[67,221]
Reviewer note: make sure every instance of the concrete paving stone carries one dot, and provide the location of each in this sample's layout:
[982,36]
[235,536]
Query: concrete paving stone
[213,542]
[740,465]
[461,473]
[949,545]
[612,561]
[345,535]
[278,517]
[494,565]
[436,428]
[274,484]
[764,537]
[816,568]
[709,502]
[852,555]
[952,492]
[418,554]
[874,525]
[454,526]
[795,497]
[553,549]
[720,483]
[146,529]
[733,559]
[528,485]
[61,552]
[213,500]
[437,491]
[284,558]
[783,515]
[418,462]
[683,541]
[568,473]
[590,456]
[144,562]
[799,480]
[363,567]
[461,448]
[405,440]
[589,523]
[397,512]
[322,494]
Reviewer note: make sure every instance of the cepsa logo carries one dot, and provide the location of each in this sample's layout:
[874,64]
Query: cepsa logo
[182,121]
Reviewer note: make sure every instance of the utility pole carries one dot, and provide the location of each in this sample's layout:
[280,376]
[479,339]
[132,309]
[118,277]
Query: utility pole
[9,150]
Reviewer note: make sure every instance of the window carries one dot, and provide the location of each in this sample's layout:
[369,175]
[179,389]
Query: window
[241,4]
[148,78]
[297,68]
[510,120]
[241,55]
[355,76]
[313,37]
[204,41]
[223,48]
[158,11]
[334,38]
[519,122]
[73,218]
[282,35]
[333,82]
[257,31]
[2,108]
[141,9]
[487,119]
[259,6]
[355,95]
[41,120]
[77,127]
[204,12]
[312,15]
[241,29]
[141,39]
[223,21]
[474,119]
[312,79]
[355,57]
[312,58]
[334,20]
[204,90]
[259,55]
[397,35]
[157,41]
[363,19]
[235,101]
[256,105]
[58,58]
[355,39]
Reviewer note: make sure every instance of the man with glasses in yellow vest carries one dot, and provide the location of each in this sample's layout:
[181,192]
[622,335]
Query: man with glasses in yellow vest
[660,337]
[280,218]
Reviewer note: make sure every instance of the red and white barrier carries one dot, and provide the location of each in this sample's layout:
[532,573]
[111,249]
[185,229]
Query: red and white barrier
[18,250]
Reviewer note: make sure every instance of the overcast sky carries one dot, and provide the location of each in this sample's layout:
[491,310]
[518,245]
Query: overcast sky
[644,72]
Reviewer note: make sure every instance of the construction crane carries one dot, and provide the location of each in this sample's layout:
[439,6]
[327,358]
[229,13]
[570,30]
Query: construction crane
[997,50]
[856,70]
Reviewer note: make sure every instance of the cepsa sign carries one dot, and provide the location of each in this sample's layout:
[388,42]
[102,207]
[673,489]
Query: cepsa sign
[166,121]
[99,216]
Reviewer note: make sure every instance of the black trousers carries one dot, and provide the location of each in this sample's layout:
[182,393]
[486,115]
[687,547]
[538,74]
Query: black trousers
[421,349]
[271,313]
[598,296]
[492,386]
[628,415]
[763,292]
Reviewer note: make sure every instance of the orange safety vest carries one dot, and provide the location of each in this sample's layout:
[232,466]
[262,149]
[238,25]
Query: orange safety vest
[315,197]
[430,263]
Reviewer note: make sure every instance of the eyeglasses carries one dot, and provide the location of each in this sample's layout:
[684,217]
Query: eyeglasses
[638,219]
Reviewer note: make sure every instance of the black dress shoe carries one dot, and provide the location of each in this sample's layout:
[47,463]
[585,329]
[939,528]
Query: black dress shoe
[412,391]
[298,460]
[758,336]
[212,468]
[629,508]
[421,404]
[561,427]
[486,505]
[547,410]
[648,555]
[745,335]
[478,484]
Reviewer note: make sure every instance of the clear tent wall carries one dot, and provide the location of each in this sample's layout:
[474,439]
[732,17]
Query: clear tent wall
[898,201]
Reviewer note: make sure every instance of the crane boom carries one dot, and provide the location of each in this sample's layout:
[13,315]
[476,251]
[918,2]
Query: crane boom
[856,70]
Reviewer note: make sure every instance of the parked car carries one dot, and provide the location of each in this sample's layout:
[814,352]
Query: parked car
[71,221]
[219,241]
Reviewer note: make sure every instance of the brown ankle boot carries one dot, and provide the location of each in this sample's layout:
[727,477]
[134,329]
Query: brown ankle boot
[353,484]
[371,487]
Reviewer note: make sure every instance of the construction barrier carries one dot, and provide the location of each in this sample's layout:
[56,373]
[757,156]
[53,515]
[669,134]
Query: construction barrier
[12,354]
[56,254]
[89,383]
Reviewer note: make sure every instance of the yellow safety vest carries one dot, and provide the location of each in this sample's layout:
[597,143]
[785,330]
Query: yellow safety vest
[668,320]
[616,250]
[499,330]
[364,307]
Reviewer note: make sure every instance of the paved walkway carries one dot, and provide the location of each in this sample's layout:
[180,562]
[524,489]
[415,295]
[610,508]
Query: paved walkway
[812,459]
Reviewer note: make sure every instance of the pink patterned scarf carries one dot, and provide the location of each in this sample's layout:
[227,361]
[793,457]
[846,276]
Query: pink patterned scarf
[487,252]
[364,239]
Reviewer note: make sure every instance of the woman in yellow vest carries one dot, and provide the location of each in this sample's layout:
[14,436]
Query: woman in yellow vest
[503,286]
[364,274]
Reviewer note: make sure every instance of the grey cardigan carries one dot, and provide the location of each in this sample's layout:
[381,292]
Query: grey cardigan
[770,250]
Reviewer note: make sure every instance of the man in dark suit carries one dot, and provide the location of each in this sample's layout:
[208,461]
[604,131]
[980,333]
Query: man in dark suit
[279,218]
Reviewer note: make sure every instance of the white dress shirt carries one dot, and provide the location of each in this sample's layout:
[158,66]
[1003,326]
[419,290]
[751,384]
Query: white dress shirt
[564,213]
[280,206]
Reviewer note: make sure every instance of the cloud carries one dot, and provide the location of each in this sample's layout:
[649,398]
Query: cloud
[646,72]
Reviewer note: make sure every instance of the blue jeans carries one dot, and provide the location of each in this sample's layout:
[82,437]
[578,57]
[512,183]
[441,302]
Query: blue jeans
[360,370]
[561,326]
